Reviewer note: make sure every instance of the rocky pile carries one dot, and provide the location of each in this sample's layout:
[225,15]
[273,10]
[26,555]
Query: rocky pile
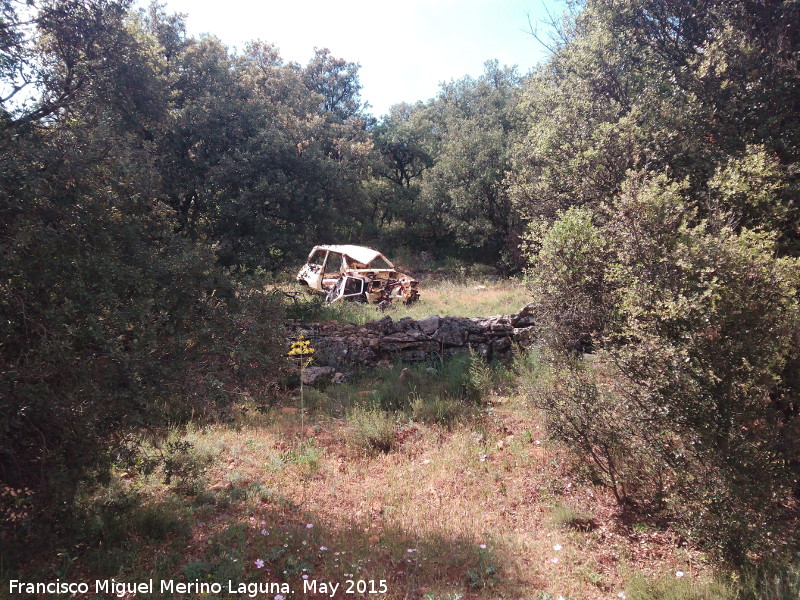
[379,342]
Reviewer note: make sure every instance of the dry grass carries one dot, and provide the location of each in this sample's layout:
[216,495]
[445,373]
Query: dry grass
[466,511]
[479,506]
[472,297]
[467,298]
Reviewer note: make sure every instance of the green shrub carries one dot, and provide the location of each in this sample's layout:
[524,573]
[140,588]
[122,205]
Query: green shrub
[184,467]
[592,422]
[315,400]
[440,410]
[485,574]
[107,333]
[567,279]
[306,456]
[481,376]
[691,399]
[708,325]
[371,429]
[456,377]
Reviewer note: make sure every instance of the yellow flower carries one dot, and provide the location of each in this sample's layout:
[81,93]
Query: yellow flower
[302,347]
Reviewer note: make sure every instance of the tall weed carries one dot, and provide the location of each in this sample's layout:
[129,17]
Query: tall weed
[371,429]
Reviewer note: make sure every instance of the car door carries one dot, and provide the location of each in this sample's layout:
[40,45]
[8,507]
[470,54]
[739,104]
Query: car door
[312,272]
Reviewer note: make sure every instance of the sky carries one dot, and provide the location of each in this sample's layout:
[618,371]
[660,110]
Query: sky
[405,48]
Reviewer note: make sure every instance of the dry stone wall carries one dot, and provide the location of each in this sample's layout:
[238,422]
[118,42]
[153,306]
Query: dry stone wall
[379,342]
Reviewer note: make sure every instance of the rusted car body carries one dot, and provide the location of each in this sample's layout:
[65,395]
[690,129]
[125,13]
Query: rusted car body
[356,273]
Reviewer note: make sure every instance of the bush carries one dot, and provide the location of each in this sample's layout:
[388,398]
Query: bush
[592,422]
[183,467]
[371,429]
[567,280]
[708,324]
[693,398]
[306,456]
[112,326]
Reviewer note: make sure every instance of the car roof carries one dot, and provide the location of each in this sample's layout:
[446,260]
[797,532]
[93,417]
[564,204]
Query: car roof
[360,254]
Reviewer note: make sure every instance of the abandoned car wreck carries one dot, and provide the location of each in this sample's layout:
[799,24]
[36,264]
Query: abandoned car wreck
[356,273]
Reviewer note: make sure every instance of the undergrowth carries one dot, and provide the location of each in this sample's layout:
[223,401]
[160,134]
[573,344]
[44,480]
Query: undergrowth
[405,475]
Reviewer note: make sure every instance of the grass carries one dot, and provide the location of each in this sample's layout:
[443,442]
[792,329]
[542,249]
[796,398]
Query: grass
[673,587]
[435,479]
[371,429]
[443,296]
[467,298]
[436,511]
[570,517]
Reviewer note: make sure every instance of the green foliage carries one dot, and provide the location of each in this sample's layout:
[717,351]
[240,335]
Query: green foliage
[306,456]
[148,179]
[752,187]
[442,410]
[371,429]
[183,467]
[444,163]
[403,139]
[481,376]
[465,187]
[288,163]
[485,574]
[707,359]
[592,422]
[449,381]
[663,86]
[645,118]
[708,328]
[115,318]
[567,280]
[689,395]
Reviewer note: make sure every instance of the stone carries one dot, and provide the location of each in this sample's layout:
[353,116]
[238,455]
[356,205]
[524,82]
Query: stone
[402,325]
[450,332]
[501,344]
[415,356]
[429,325]
[410,336]
[382,325]
[375,344]
[310,375]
